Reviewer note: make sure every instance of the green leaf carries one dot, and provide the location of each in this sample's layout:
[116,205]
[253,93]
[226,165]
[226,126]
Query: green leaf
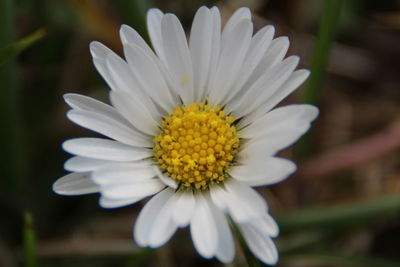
[12,50]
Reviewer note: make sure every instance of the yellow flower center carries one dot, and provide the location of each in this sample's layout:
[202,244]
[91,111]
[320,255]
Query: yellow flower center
[196,145]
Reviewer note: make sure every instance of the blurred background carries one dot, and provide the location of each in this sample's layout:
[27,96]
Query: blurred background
[342,207]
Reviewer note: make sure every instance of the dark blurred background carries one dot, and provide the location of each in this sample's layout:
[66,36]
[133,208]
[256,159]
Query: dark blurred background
[342,208]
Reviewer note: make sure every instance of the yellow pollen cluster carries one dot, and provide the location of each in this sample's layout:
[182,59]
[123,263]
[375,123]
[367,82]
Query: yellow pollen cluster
[196,145]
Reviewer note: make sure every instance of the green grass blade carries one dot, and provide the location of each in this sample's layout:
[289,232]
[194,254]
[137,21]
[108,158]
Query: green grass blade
[30,254]
[12,50]
[342,215]
[325,38]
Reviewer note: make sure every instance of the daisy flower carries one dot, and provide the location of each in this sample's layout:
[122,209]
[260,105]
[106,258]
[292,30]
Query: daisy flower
[191,124]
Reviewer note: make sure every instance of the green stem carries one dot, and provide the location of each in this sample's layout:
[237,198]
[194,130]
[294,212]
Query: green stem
[30,255]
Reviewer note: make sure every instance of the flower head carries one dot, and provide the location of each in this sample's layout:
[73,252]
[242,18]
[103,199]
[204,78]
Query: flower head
[192,124]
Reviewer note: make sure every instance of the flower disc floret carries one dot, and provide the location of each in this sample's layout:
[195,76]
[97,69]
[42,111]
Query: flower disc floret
[196,145]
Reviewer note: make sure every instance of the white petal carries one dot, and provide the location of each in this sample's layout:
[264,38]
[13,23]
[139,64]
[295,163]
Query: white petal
[241,201]
[203,229]
[110,203]
[241,14]
[129,35]
[117,74]
[139,189]
[258,172]
[149,76]
[108,127]
[99,53]
[81,102]
[226,245]
[154,17]
[294,81]
[165,179]
[275,54]
[163,226]
[258,46]
[105,149]
[150,211]
[266,225]
[291,116]
[265,87]
[260,244]
[177,56]
[215,47]
[231,59]
[124,174]
[285,126]
[134,111]
[83,164]
[201,40]
[75,184]
[245,203]
[184,208]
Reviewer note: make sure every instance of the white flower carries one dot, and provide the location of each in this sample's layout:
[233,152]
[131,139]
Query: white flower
[193,125]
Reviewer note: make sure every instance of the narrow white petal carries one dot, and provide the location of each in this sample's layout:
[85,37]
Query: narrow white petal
[258,172]
[134,111]
[144,222]
[258,46]
[135,188]
[266,225]
[131,36]
[163,226]
[294,81]
[108,127]
[245,203]
[83,164]
[99,148]
[241,14]
[184,208]
[110,203]
[260,244]
[287,117]
[215,48]
[289,124]
[99,53]
[149,76]
[154,17]
[275,54]
[231,59]
[226,245]
[165,179]
[75,184]
[220,197]
[81,102]
[124,173]
[265,87]
[203,229]
[177,56]
[241,201]
[201,41]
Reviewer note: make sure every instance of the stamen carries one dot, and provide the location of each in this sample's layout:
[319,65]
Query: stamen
[196,145]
